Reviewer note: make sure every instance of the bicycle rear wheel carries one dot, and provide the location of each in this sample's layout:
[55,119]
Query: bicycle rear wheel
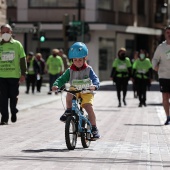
[70,133]
[85,137]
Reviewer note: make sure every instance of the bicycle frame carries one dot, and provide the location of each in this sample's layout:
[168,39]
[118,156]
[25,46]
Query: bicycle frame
[80,115]
[77,124]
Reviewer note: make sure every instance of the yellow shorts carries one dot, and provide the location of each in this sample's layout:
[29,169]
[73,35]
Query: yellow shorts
[86,98]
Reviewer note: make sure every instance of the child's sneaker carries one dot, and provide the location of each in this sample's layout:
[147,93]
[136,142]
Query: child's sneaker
[95,133]
[64,116]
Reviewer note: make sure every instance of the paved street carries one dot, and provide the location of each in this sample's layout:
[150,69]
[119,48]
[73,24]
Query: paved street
[132,138]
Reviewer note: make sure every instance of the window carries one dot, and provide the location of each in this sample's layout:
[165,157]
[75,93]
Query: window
[141,7]
[161,11]
[11,3]
[125,6]
[105,4]
[55,3]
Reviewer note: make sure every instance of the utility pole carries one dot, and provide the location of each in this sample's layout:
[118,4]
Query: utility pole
[79,19]
[79,10]
[38,35]
[65,38]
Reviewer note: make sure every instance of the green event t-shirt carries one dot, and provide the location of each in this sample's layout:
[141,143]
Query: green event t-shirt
[121,66]
[55,64]
[142,67]
[10,54]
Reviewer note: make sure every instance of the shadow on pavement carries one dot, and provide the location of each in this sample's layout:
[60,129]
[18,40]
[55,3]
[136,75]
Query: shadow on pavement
[141,125]
[45,150]
[111,86]
[154,104]
[80,160]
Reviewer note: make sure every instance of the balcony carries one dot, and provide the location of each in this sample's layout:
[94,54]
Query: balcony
[125,19]
[106,17]
[52,15]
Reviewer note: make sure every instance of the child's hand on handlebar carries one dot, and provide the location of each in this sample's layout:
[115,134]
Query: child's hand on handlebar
[92,87]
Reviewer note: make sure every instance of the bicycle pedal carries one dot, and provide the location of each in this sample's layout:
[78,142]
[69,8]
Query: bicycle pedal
[79,134]
[92,139]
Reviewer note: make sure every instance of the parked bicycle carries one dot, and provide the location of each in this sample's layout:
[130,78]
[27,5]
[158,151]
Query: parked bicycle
[77,124]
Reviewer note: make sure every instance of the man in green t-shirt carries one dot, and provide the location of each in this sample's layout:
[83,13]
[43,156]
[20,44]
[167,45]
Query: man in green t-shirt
[55,67]
[12,71]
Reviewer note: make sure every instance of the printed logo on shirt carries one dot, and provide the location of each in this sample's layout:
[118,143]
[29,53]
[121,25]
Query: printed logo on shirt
[81,84]
[168,55]
[8,55]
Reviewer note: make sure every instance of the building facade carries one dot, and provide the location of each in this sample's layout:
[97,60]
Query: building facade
[133,24]
[3,12]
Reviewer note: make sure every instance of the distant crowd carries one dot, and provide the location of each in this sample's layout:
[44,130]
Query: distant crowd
[37,67]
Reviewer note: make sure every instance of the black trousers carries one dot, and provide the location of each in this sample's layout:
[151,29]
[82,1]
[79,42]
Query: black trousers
[30,81]
[141,85]
[9,91]
[121,85]
[39,84]
[52,79]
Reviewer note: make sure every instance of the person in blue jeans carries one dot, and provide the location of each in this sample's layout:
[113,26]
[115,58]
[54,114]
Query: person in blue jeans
[80,75]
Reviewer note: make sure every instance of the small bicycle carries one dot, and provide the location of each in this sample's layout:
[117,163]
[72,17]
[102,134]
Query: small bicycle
[77,124]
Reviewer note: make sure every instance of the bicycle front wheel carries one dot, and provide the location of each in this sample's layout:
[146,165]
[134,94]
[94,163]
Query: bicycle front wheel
[85,137]
[70,133]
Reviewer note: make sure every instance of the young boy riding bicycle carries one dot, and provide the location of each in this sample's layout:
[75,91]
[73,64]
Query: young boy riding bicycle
[80,75]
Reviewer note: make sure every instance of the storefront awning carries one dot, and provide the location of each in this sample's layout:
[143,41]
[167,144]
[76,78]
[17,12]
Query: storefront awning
[126,29]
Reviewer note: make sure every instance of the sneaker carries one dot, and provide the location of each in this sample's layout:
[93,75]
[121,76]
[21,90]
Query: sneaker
[119,105]
[167,122]
[124,101]
[140,105]
[95,133]
[4,123]
[49,92]
[65,115]
[13,118]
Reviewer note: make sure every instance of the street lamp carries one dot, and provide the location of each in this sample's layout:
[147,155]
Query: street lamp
[164,8]
[164,11]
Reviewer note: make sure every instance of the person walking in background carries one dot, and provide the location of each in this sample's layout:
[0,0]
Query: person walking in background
[12,72]
[31,72]
[161,63]
[66,62]
[55,68]
[64,58]
[142,73]
[40,70]
[135,57]
[121,72]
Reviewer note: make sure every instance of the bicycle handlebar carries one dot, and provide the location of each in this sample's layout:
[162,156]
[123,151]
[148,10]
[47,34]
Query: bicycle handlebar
[73,91]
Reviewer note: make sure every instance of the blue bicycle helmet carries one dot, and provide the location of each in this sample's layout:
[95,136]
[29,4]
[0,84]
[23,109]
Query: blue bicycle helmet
[78,50]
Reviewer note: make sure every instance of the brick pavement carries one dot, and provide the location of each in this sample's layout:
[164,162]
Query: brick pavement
[132,138]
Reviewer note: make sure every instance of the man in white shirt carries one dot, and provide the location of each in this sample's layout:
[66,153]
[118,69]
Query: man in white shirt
[161,63]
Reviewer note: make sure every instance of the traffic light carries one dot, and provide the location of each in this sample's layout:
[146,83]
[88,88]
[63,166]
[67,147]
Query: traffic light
[86,28]
[42,37]
[76,28]
[70,32]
